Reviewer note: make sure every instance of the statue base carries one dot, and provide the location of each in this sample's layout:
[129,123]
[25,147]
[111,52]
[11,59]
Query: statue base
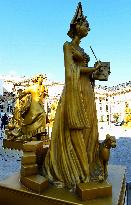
[18,144]
[12,192]
[94,190]
[10,144]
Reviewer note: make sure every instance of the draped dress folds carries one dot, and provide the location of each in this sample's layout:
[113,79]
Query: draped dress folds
[34,121]
[75,133]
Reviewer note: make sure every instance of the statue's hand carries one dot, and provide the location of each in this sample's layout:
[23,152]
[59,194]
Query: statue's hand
[98,65]
[20,96]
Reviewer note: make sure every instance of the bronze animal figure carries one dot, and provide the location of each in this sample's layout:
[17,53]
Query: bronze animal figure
[104,152]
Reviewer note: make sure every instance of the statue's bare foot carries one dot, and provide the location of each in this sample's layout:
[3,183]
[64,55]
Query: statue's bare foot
[106,175]
[101,178]
[86,179]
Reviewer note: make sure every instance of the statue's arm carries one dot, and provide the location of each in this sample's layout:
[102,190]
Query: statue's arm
[24,92]
[87,70]
[67,60]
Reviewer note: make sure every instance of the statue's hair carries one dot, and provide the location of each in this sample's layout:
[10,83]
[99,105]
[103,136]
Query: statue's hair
[78,19]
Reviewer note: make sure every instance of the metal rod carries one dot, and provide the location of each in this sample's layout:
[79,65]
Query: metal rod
[93,53]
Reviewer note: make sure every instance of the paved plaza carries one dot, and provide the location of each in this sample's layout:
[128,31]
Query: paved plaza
[10,160]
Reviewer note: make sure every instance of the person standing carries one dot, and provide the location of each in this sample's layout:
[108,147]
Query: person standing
[4,121]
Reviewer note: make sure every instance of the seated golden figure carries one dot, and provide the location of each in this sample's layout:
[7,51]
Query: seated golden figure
[34,116]
[29,116]
[73,156]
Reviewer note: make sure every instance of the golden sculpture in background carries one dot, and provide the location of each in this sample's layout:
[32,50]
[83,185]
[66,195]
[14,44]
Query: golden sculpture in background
[127,118]
[73,155]
[53,108]
[29,117]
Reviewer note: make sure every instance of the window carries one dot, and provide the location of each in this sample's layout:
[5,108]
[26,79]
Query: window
[106,107]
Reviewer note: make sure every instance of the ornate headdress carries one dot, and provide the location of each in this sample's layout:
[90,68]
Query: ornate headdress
[78,18]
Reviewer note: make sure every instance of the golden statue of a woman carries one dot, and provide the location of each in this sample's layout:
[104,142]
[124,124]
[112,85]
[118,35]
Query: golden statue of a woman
[74,145]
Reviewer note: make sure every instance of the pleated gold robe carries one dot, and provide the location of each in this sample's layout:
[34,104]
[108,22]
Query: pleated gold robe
[75,134]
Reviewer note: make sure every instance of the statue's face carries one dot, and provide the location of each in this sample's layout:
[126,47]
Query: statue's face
[82,30]
[40,79]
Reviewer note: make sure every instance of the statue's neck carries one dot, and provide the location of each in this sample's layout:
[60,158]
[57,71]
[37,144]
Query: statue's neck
[76,41]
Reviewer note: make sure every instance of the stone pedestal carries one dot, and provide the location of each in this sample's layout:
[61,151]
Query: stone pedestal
[10,144]
[36,183]
[28,158]
[94,190]
[18,144]
[13,193]
[30,177]
[32,146]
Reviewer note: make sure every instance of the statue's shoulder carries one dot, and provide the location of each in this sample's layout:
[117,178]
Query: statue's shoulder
[33,88]
[66,44]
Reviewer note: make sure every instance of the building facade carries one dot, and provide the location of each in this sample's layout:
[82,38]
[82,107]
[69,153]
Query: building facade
[112,103]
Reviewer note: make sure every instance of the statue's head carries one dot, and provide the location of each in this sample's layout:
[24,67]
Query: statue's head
[110,141]
[39,78]
[19,91]
[79,25]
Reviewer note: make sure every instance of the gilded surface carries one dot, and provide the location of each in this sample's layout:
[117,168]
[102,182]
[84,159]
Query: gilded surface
[104,151]
[11,189]
[29,117]
[73,156]
[127,117]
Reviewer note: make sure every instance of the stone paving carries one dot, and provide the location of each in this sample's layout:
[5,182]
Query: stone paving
[121,155]
[10,161]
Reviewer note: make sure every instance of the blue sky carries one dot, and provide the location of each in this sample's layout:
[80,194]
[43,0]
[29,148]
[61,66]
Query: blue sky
[32,34]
